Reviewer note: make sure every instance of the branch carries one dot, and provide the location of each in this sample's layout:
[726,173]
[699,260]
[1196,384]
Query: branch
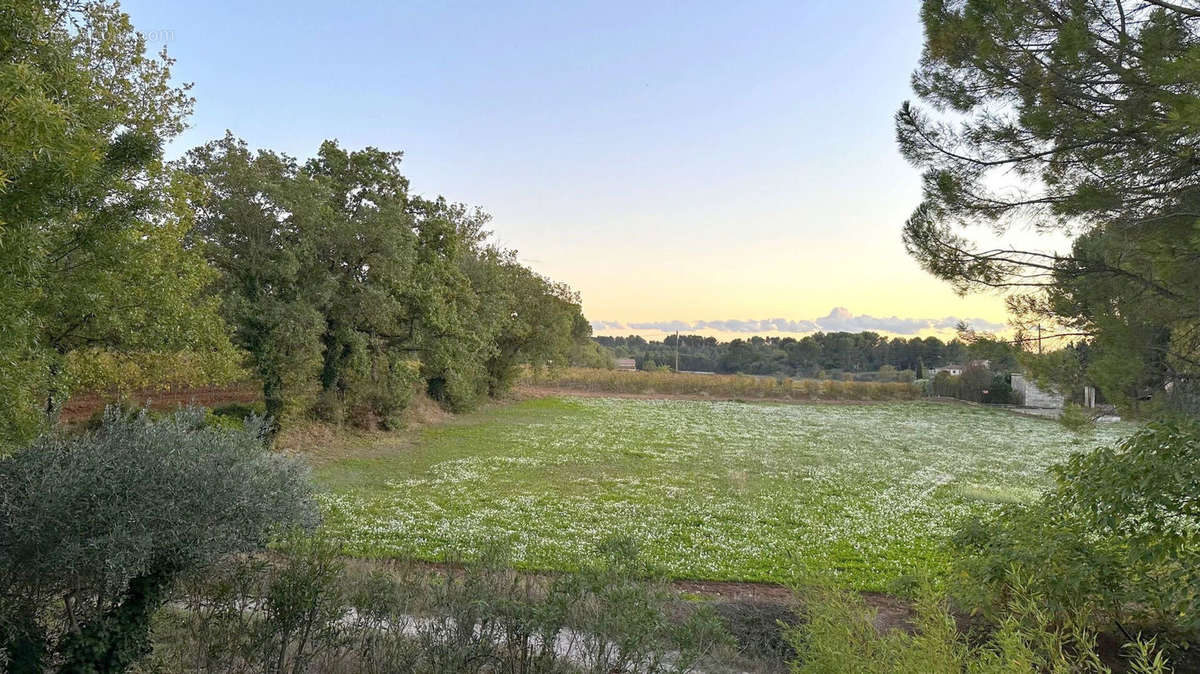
[1186,11]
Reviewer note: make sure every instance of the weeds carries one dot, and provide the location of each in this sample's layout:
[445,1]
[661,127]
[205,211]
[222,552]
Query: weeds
[838,634]
[722,386]
[306,611]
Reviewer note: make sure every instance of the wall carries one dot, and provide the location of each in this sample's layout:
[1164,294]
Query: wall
[1034,396]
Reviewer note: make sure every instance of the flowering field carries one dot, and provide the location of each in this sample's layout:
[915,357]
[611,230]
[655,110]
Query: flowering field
[714,490]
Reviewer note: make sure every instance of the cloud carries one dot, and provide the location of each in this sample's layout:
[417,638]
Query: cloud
[608,325]
[839,319]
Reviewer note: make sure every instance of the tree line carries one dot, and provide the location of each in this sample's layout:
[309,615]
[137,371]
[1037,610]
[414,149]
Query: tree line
[821,355]
[339,289]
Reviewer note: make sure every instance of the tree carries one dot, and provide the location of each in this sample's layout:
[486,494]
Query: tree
[542,324]
[336,280]
[453,328]
[90,250]
[974,380]
[97,528]
[256,222]
[1078,118]
[366,244]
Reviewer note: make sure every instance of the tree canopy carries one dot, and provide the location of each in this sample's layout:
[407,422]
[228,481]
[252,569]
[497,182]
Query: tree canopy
[1077,117]
[347,291]
[860,354]
[90,220]
[342,289]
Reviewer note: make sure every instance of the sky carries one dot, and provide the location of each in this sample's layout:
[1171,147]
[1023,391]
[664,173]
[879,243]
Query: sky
[720,168]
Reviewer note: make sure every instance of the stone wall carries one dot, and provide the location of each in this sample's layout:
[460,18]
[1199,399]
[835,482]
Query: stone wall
[1034,396]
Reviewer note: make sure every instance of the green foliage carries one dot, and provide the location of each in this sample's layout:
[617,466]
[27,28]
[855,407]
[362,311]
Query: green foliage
[838,633]
[338,281]
[860,355]
[1077,418]
[93,222]
[622,620]
[124,372]
[974,380]
[1062,370]
[317,614]
[240,411]
[946,384]
[590,354]
[709,498]
[999,392]
[543,326]
[254,220]
[1077,118]
[96,527]
[1115,542]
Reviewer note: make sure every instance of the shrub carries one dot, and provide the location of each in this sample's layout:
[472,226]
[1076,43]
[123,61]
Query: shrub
[377,391]
[329,407]
[1077,419]
[241,411]
[838,634]
[621,619]
[1114,541]
[946,384]
[387,389]
[1000,391]
[121,408]
[97,527]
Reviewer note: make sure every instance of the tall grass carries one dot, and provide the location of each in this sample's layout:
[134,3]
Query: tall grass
[719,386]
[306,612]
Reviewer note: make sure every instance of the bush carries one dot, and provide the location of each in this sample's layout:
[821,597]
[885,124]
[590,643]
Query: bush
[838,634]
[1109,552]
[121,408]
[97,527]
[1077,419]
[759,627]
[241,411]
[1000,391]
[376,393]
[1114,542]
[947,385]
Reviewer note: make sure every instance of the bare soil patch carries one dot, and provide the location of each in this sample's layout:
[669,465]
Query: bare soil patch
[82,406]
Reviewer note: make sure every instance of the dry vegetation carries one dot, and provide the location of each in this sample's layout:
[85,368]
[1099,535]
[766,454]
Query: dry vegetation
[717,385]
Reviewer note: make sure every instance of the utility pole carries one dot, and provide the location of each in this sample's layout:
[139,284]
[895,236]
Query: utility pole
[677,351]
[1039,339]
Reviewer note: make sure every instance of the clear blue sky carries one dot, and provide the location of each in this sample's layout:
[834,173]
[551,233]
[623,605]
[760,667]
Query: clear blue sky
[672,161]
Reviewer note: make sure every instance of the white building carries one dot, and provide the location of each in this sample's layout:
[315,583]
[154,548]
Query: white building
[952,370]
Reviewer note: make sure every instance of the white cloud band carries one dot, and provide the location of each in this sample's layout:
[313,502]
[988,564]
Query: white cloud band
[839,319]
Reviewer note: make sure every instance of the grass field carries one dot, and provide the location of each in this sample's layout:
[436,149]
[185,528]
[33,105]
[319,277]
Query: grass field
[714,490]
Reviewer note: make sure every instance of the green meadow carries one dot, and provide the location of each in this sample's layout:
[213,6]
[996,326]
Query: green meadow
[864,493]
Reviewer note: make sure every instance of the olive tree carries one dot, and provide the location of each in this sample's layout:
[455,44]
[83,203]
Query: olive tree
[95,528]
